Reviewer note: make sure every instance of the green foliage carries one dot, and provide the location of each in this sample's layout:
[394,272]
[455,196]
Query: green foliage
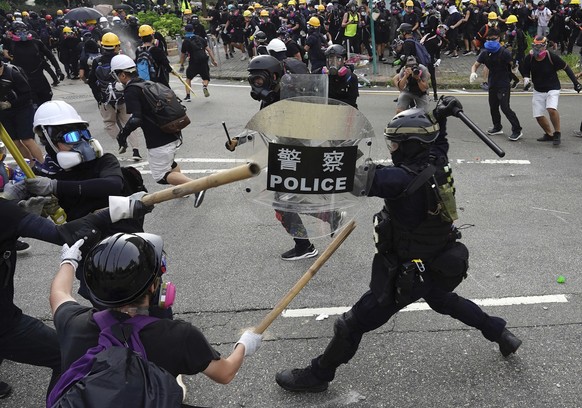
[167,24]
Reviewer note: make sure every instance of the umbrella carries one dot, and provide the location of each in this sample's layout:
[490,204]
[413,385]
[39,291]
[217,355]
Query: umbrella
[125,7]
[83,13]
[104,8]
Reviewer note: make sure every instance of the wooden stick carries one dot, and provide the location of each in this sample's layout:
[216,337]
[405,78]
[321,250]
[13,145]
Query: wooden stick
[294,291]
[204,183]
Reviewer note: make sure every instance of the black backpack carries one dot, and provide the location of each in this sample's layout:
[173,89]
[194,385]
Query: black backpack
[106,82]
[168,112]
[116,372]
[132,181]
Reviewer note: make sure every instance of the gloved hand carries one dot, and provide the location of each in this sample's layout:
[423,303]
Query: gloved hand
[363,178]
[88,228]
[15,191]
[42,186]
[251,341]
[437,63]
[35,205]
[526,83]
[230,146]
[181,70]
[578,87]
[60,75]
[5,105]
[122,141]
[72,254]
[447,106]
[473,77]
[128,207]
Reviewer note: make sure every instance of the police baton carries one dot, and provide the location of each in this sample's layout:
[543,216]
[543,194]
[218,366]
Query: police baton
[58,216]
[294,291]
[482,135]
[173,72]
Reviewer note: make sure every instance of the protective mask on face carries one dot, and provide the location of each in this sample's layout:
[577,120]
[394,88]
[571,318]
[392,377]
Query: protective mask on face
[80,152]
[119,86]
[538,53]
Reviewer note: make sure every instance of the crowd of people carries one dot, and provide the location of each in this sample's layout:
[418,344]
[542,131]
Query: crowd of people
[115,54]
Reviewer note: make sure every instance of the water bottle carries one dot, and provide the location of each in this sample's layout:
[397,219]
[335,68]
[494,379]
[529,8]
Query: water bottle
[19,175]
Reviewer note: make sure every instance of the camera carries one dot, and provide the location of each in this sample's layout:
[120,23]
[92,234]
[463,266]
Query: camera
[415,71]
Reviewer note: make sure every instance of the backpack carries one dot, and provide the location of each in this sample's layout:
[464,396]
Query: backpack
[422,55]
[106,82]
[168,112]
[145,63]
[478,40]
[132,181]
[116,372]
[91,57]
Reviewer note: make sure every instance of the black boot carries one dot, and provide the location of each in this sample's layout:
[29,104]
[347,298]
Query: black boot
[300,380]
[508,343]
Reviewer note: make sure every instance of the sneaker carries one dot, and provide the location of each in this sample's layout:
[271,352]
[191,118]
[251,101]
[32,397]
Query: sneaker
[187,98]
[205,91]
[231,55]
[296,253]
[22,246]
[447,53]
[467,53]
[122,149]
[557,137]
[514,84]
[227,57]
[300,380]
[455,56]
[545,138]
[494,131]
[335,221]
[508,343]
[526,87]
[136,156]
[198,198]
[515,136]
[578,134]
[244,57]
[5,389]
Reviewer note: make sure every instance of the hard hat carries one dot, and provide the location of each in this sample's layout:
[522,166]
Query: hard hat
[405,28]
[574,2]
[291,3]
[335,49]
[473,2]
[59,12]
[302,1]
[412,124]
[320,7]
[122,62]
[92,21]
[121,268]
[187,11]
[55,113]
[264,13]
[247,13]
[314,22]
[266,63]
[103,20]
[409,3]
[492,16]
[513,19]
[145,30]
[48,17]
[251,8]
[257,6]
[25,14]
[279,5]
[110,40]
[116,19]
[67,30]
[276,45]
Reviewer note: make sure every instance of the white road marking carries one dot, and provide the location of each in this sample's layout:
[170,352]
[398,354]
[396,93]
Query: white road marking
[417,306]
[547,209]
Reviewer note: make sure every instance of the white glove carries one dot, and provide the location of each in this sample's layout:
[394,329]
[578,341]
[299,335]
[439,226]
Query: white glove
[251,341]
[437,63]
[121,208]
[526,81]
[473,77]
[15,191]
[5,105]
[72,255]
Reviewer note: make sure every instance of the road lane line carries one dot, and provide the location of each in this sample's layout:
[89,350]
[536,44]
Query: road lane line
[417,306]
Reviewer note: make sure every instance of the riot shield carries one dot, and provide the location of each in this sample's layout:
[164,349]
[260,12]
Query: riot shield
[296,85]
[309,148]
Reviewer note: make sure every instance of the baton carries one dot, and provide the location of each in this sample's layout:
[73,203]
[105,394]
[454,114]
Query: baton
[482,135]
[294,291]
[176,74]
[226,131]
[59,216]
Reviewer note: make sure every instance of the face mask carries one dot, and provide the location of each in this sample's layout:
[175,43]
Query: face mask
[119,86]
[538,53]
[165,294]
[80,152]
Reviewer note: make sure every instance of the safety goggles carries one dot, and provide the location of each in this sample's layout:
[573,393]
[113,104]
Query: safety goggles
[75,136]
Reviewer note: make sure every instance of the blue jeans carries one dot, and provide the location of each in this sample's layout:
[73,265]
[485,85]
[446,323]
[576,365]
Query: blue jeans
[32,342]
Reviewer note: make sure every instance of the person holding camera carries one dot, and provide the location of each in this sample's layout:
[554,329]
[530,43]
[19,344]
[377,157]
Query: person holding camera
[413,84]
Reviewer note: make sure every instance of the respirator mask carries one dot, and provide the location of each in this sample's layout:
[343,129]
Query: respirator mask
[83,147]
[165,294]
[538,51]
[261,84]
[335,66]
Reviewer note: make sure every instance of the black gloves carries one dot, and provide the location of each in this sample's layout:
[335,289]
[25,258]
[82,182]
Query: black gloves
[447,106]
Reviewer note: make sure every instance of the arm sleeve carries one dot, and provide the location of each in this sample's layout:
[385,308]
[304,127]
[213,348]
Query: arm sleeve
[97,187]
[34,226]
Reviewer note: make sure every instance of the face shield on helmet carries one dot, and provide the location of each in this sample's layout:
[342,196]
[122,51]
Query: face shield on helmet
[335,58]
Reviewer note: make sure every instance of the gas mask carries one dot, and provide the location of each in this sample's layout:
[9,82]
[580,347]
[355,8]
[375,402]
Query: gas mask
[538,51]
[492,23]
[335,65]
[165,294]
[262,87]
[83,147]
[21,36]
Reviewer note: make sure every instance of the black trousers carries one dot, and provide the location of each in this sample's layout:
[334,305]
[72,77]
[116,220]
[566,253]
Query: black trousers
[499,98]
[370,315]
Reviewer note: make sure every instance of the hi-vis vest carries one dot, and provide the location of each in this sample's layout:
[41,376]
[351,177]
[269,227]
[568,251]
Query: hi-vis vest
[352,27]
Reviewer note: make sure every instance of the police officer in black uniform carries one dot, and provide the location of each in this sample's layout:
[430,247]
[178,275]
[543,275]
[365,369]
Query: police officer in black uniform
[417,257]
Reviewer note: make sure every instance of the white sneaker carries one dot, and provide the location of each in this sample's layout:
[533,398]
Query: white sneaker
[244,57]
[180,382]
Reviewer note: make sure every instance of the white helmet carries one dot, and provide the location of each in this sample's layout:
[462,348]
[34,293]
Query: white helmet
[54,113]
[103,20]
[276,45]
[122,62]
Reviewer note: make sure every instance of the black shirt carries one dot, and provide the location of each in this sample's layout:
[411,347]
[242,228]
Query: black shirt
[544,73]
[499,64]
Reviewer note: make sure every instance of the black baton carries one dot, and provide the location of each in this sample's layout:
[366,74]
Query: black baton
[226,130]
[482,135]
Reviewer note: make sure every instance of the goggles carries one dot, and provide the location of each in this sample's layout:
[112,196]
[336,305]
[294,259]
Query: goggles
[75,136]
[260,80]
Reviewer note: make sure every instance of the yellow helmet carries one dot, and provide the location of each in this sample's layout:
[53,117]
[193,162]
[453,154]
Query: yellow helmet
[314,22]
[264,13]
[513,19]
[251,8]
[492,16]
[292,3]
[187,11]
[409,3]
[257,6]
[574,2]
[91,21]
[145,30]
[25,13]
[247,13]
[67,30]
[110,40]
[473,2]
[302,1]
[59,12]
[321,7]
[279,5]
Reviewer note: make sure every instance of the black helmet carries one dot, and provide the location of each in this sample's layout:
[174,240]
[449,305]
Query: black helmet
[335,49]
[412,124]
[266,63]
[120,269]
[405,28]
[261,37]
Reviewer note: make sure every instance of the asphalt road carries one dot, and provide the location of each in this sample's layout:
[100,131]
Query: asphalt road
[521,226]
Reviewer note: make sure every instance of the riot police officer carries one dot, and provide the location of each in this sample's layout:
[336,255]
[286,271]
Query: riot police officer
[417,256]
